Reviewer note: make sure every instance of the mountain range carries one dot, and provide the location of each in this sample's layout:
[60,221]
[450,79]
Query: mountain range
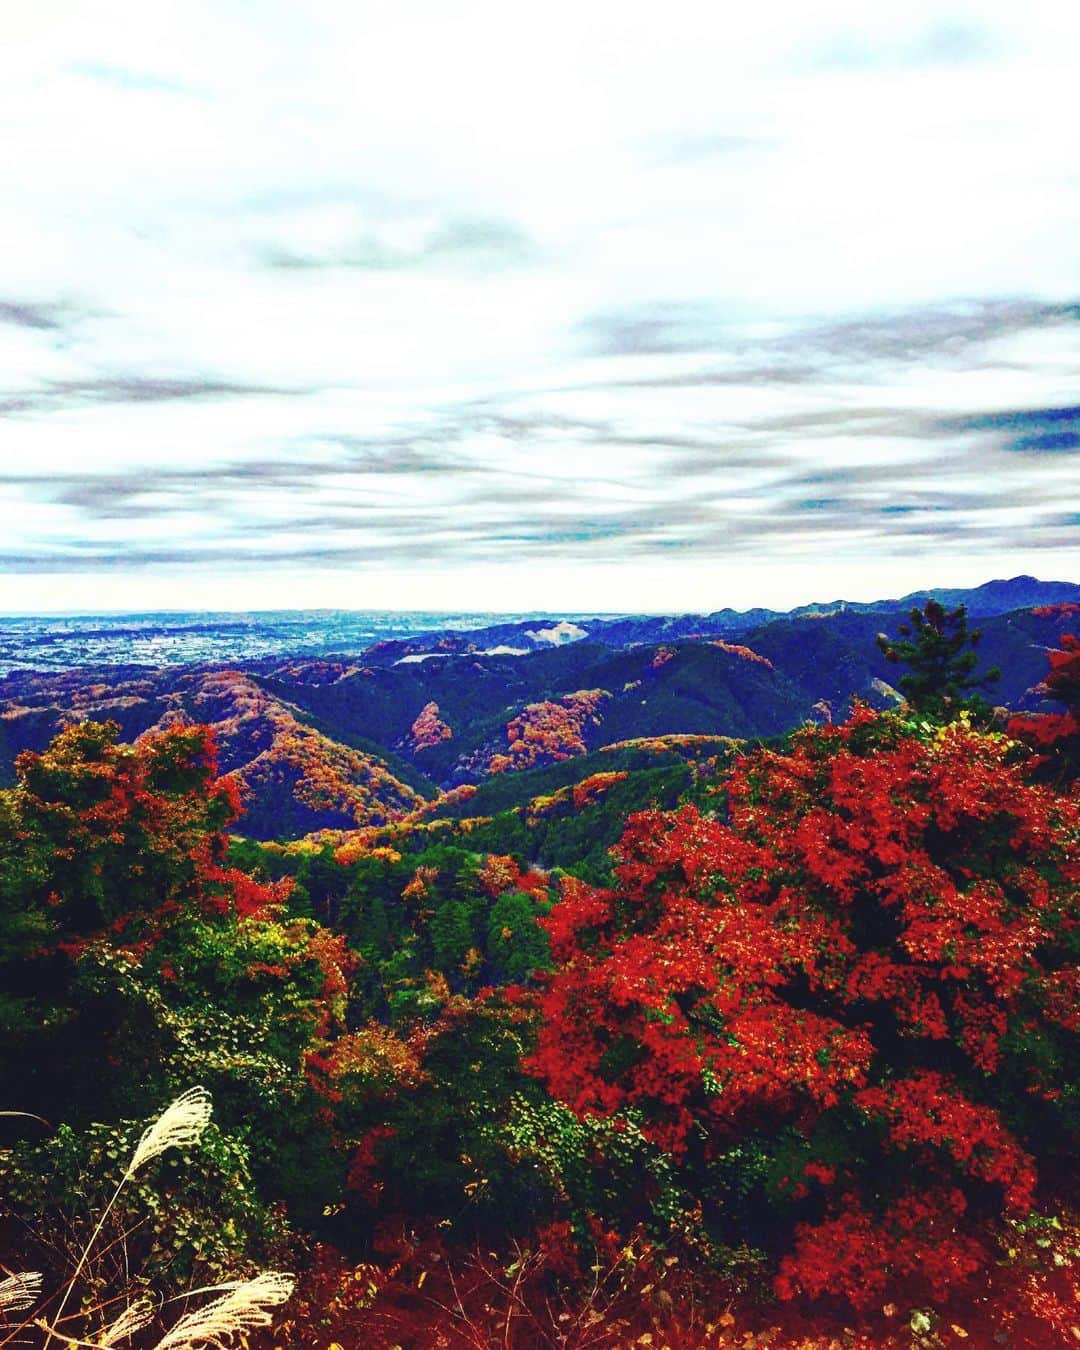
[343,741]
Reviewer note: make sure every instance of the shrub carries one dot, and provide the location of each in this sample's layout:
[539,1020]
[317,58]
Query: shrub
[1056,736]
[198,1226]
[863,971]
[190,1219]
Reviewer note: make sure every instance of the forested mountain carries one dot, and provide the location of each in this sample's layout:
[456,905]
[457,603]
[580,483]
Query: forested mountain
[667,1038]
[367,738]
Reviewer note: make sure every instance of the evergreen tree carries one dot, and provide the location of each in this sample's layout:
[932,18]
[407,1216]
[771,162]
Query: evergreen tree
[938,649]
[517,945]
[451,937]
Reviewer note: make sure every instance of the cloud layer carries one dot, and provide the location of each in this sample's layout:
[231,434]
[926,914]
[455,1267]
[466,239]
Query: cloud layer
[432,301]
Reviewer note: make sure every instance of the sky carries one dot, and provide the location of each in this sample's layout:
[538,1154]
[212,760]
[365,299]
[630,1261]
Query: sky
[597,307]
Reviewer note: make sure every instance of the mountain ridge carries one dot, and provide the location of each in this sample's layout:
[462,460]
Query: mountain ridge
[155,639]
[336,743]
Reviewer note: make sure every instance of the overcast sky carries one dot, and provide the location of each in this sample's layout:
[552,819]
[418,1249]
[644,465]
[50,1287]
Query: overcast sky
[591,305]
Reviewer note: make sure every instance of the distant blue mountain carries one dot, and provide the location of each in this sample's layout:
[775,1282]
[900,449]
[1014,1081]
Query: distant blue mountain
[300,699]
[156,640]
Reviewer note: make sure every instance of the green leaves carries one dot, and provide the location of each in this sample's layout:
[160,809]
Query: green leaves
[938,649]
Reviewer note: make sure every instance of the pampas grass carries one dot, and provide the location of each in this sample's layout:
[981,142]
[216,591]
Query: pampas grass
[242,1305]
[20,1291]
[242,1308]
[180,1124]
[134,1317]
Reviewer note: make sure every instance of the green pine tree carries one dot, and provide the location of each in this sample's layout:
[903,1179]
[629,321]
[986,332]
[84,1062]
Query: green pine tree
[938,649]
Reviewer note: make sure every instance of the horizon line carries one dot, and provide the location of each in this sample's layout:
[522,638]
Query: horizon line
[514,613]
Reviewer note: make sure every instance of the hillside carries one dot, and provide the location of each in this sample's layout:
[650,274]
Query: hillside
[337,743]
[291,776]
[685,1032]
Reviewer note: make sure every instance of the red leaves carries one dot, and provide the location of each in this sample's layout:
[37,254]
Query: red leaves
[1058,734]
[871,889]
[1063,682]
[363,1177]
[915,1242]
[928,1111]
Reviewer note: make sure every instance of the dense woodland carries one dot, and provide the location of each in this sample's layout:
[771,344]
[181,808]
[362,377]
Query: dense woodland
[662,994]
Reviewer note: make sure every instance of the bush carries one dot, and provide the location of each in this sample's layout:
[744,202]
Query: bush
[105,1233]
[866,969]
[192,1218]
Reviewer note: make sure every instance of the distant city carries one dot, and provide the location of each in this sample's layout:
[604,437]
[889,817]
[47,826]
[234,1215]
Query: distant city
[200,638]
[161,638]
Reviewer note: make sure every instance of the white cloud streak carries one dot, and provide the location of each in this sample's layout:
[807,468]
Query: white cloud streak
[427,304]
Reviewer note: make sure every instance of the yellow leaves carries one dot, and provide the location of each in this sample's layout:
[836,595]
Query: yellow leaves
[376,1052]
[552,730]
[429,729]
[418,888]
[359,847]
[279,754]
[543,805]
[744,653]
[470,823]
[438,986]
[595,786]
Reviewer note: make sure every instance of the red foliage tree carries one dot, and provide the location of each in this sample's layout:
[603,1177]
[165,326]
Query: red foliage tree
[1056,736]
[863,963]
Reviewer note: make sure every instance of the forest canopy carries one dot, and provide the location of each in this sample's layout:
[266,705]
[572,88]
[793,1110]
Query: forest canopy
[786,1028]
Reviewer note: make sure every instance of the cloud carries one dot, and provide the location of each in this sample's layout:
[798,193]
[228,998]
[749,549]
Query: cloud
[454,244]
[882,479]
[1026,430]
[135,81]
[47,318]
[149,389]
[946,43]
[133,389]
[807,350]
[924,332]
[392,286]
[685,149]
[655,329]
